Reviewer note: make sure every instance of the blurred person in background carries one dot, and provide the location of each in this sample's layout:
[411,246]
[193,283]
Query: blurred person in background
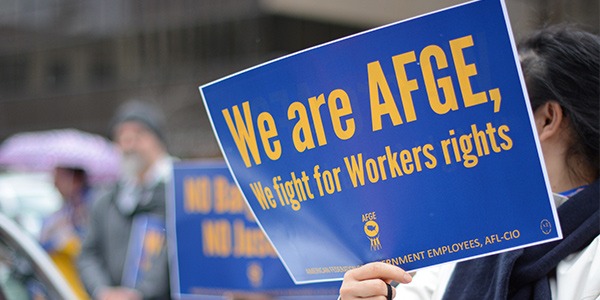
[63,231]
[137,130]
[561,70]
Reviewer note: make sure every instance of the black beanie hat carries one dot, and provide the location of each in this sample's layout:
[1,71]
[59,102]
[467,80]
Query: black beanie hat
[142,112]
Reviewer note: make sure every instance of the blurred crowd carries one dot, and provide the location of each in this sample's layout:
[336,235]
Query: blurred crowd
[107,190]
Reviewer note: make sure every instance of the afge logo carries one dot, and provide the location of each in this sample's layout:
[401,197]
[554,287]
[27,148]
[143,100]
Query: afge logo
[255,274]
[371,229]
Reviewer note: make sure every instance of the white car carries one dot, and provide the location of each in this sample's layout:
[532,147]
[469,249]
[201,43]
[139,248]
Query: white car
[27,198]
[26,271]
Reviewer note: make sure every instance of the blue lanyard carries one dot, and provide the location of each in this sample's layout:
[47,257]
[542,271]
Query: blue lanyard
[571,192]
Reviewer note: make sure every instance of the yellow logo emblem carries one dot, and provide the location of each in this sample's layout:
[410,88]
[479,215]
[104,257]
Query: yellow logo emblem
[371,229]
[255,274]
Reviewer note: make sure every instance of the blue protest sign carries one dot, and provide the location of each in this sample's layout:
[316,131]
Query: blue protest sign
[217,246]
[146,243]
[411,144]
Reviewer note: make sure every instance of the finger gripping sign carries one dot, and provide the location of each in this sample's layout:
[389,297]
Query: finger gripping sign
[411,144]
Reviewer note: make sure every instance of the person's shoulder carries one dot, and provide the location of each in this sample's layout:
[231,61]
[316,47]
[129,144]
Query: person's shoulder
[102,195]
[590,253]
[580,262]
[577,274]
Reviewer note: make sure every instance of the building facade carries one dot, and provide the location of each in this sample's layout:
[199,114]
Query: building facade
[69,63]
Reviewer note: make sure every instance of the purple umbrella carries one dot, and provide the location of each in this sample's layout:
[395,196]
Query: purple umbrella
[45,150]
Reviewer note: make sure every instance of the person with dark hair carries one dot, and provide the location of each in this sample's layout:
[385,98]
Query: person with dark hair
[561,70]
[62,231]
[110,264]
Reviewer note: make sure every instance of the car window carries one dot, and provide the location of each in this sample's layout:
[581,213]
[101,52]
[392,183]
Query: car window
[26,271]
[28,198]
[18,277]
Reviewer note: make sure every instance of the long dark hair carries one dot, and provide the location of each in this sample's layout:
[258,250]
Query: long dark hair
[561,63]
